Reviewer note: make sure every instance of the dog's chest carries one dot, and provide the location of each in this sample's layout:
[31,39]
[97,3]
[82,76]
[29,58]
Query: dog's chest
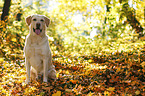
[36,51]
[40,50]
[36,57]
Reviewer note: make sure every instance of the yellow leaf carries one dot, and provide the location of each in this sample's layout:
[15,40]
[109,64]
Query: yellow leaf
[67,72]
[90,60]
[68,90]
[57,75]
[58,93]
[106,93]
[14,39]
[118,69]
[142,38]
[143,64]
[111,89]
[1,59]
[137,92]
[90,94]
[23,77]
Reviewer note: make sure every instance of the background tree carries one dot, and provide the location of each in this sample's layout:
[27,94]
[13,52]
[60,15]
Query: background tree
[131,17]
[6,8]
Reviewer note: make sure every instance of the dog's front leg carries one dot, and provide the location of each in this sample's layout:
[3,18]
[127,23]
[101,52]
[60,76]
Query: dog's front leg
[27,71]
[45,69]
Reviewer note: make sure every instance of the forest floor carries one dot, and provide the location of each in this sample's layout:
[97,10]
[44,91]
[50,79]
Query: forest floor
[119,74]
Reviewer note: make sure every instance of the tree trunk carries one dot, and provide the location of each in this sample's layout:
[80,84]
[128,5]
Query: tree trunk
[108,10]
[135,24]
[6,9]
[131,19]
[4,17]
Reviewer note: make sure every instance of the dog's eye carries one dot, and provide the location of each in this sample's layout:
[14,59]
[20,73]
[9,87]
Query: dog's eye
[42,20]
[34,19]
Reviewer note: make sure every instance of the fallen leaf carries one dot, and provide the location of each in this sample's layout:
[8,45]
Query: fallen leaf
[90,94]
[74,81]
[106,93]
[14,39]
[137,92]
[58,93]
[111,89]
[42,93]
[143,64]
[74,68]
[68,90]
[142,38]
[1,59]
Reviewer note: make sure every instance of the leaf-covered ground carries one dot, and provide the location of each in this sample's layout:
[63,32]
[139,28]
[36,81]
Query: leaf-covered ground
[119,74]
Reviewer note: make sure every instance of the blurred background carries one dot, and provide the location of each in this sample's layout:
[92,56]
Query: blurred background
[78,27]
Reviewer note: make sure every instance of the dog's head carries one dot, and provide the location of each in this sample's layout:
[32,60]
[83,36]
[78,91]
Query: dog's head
[37,23]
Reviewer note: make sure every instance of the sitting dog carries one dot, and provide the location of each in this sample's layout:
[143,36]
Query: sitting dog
[37,51]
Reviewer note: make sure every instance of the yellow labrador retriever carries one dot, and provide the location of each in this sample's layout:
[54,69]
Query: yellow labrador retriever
[37,52]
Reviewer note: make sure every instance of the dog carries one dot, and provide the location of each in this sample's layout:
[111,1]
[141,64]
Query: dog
[37,52]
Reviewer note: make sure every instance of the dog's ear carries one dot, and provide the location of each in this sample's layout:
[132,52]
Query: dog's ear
[47,21]
[28,20]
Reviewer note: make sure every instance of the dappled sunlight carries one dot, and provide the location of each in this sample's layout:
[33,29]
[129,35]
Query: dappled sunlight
[95,67]
[98,48]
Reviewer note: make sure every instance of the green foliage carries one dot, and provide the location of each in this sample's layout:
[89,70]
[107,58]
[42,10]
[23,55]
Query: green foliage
[109,62]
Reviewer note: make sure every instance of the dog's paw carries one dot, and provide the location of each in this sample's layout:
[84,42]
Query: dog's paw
[52,74]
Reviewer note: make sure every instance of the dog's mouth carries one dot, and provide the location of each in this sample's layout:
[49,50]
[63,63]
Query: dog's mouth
[37,31]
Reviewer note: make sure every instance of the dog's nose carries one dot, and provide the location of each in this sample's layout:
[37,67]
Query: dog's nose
[37,25]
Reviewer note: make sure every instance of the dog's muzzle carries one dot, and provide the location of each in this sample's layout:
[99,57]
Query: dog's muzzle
[37,30]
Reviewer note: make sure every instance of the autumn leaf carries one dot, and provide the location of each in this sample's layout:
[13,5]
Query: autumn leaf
[58,93]
[73,81]
[14,39]
[142,38]
[42,93]
[111,89]
[137,92]
[143,64]
[106,93]
[1,59]
[90,94]
[68,90]
[74,67]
